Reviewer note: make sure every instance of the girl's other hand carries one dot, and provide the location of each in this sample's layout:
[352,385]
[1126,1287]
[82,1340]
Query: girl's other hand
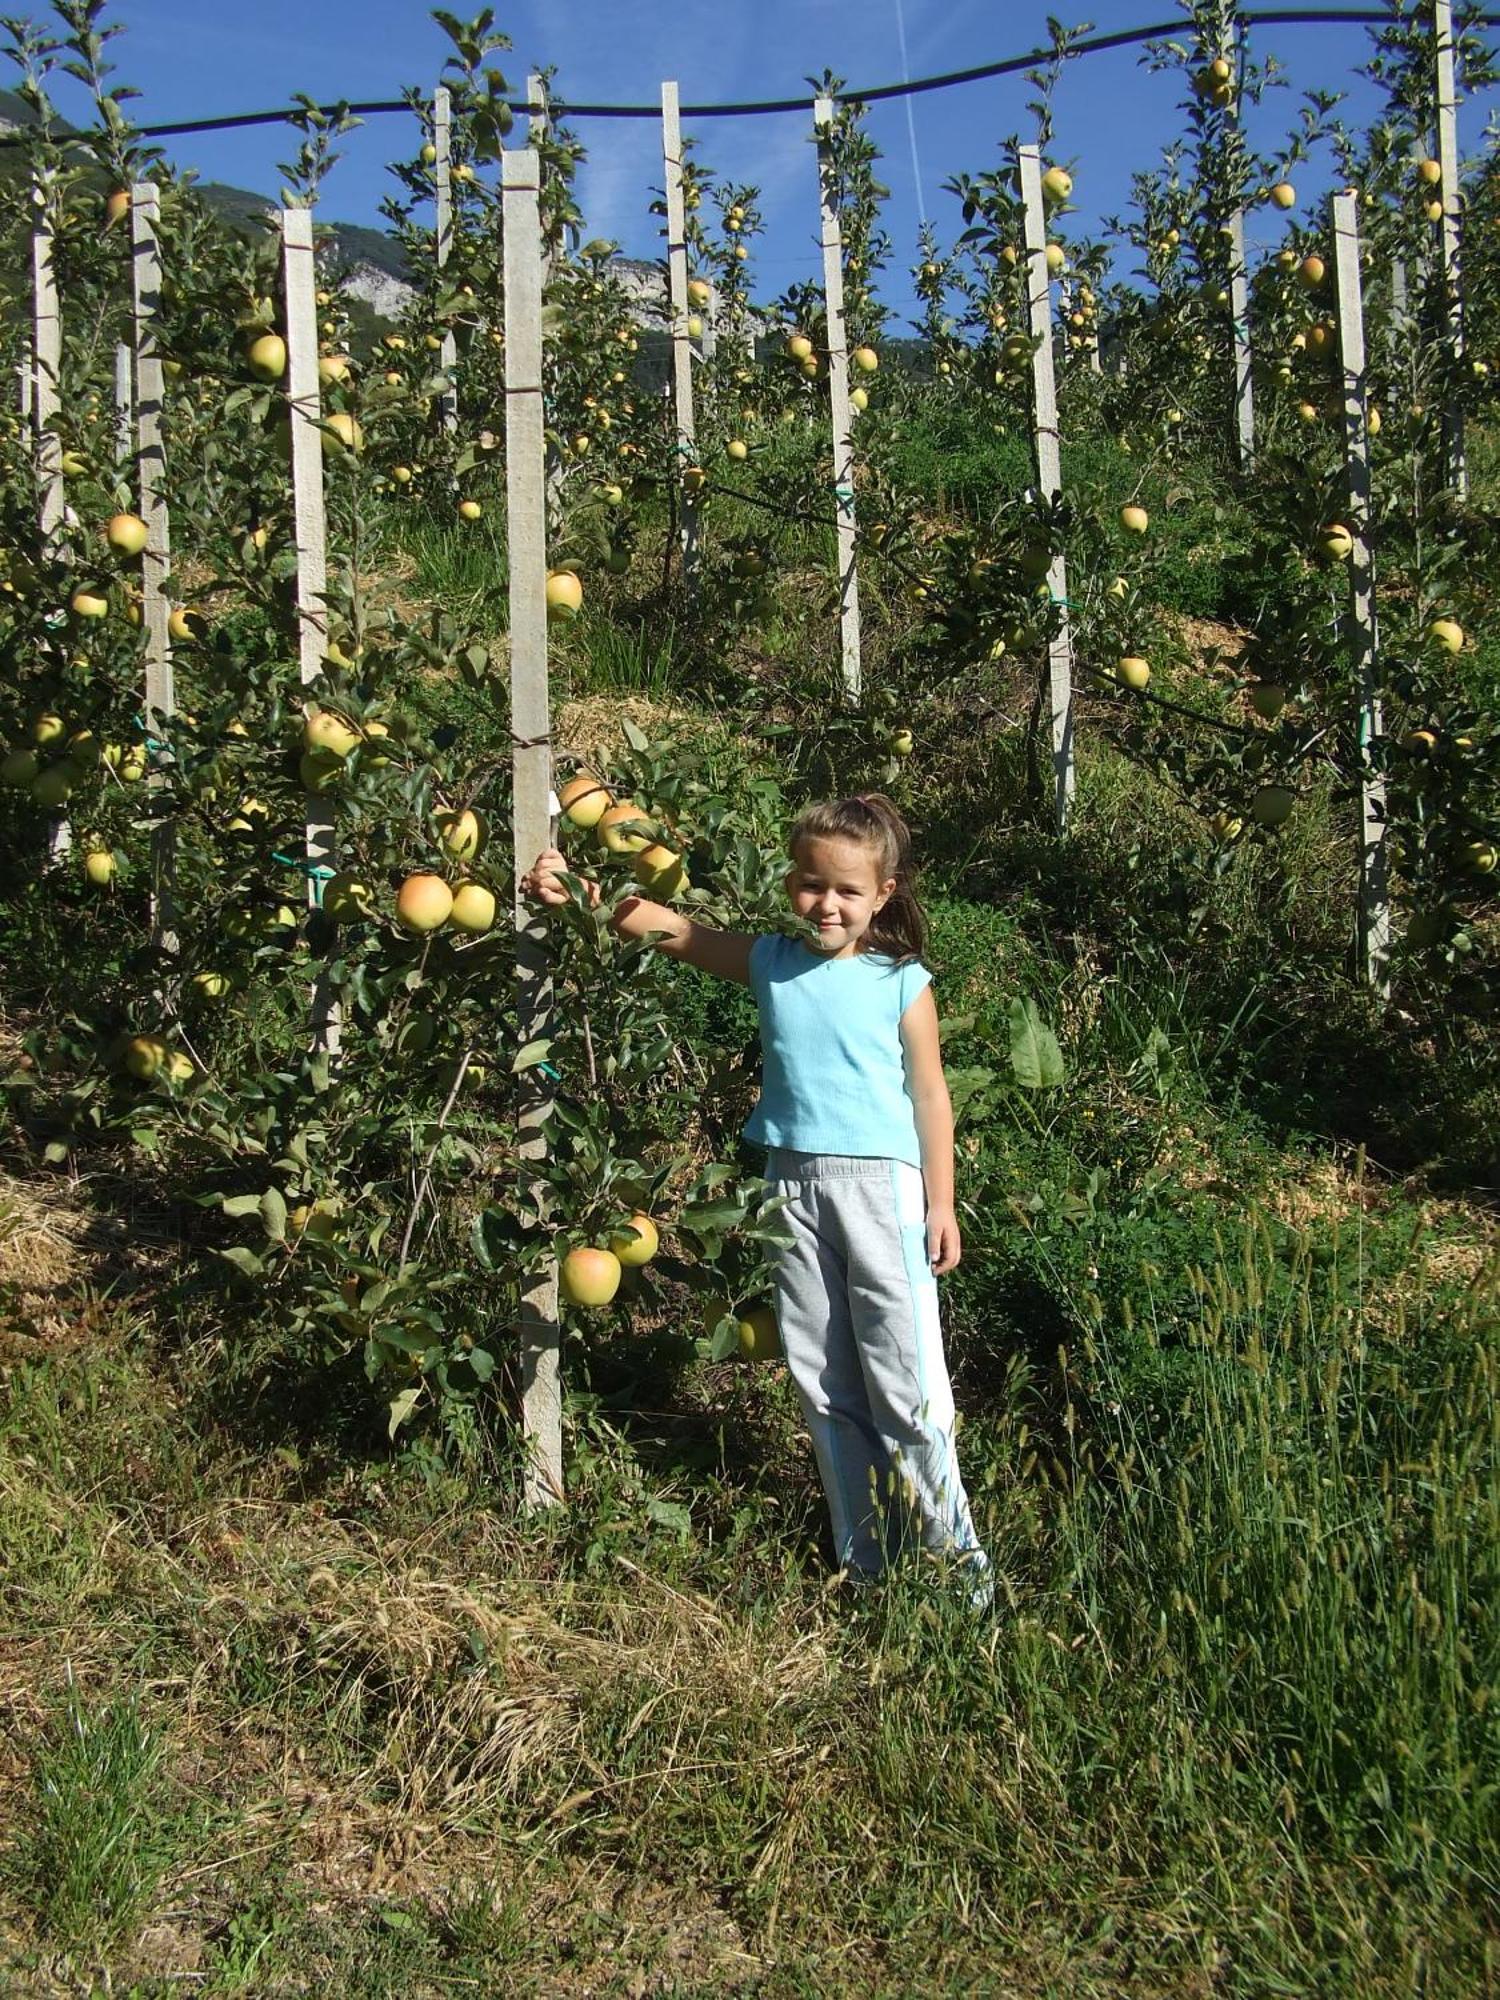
[943,1246]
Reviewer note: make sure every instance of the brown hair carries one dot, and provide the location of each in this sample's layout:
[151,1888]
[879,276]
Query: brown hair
[899,928]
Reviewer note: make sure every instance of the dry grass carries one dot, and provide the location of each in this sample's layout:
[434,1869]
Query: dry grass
[60,1251]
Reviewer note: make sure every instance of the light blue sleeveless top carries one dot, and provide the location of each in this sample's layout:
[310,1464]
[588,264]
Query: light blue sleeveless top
[834,1073]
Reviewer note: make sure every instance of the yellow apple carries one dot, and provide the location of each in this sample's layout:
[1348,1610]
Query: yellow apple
[341,433]
[1429,172]
[423,903]
[799,347]
[86,603]
[1056,258]
[899,742]
[473,908]
[1057,184]
[1480,857]
[865,359]
[144,1056]
[1311,273]
[636,1250]
[589,1277]
[99,866]
[334,368]
[325,731]
[1447,633]
[759,1335]
[657,868]
[320,771]
[564,595]
[347,899]
[584,799]
[187,626]
[1133,671]
[699,292]
[1134,520]
[401,474]
[1335,542]
[267,357]
[738,450]
[462,833]
[613,823]
[1284,195]
[116,205]
[18,769]
[469,510]
[212,985]
[54,786]
[126,533]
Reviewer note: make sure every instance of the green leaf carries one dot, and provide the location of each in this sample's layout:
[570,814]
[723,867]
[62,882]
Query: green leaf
[241,1204]
[482,1362]
[721,1214]
[533,1053]
[724,1339]
[1034,1054]
[633,736]
[273,1214]
[244,1261]
[402,1407]
[670,1514]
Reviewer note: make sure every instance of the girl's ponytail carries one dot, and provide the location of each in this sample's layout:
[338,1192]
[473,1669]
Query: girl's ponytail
[899,929]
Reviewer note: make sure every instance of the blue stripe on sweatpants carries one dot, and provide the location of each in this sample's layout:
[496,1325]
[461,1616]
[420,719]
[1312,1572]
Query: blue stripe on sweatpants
[858,1308]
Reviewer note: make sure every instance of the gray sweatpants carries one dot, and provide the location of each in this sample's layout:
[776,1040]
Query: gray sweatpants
[858,1307]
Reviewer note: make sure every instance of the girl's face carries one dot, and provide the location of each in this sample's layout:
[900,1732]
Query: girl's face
[835,886]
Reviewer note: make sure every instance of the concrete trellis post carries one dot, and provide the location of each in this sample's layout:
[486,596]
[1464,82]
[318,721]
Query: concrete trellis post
[442,175]
[1239,307]
[840,409]
[150,467]
[531,765]
[1456,468]
[299,270]
[1049,475]
[1374,901]
[46,348]
[1239,302]
[682,346]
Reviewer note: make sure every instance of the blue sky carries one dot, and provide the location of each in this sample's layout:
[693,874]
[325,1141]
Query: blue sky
[201,58]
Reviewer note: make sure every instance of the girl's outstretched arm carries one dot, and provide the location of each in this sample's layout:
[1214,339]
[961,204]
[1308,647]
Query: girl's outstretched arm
[724,954]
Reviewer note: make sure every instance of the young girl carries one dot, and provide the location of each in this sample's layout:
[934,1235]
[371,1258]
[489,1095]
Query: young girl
[855,1116]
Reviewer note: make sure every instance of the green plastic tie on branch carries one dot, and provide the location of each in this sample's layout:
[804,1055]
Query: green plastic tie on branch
[316,871]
